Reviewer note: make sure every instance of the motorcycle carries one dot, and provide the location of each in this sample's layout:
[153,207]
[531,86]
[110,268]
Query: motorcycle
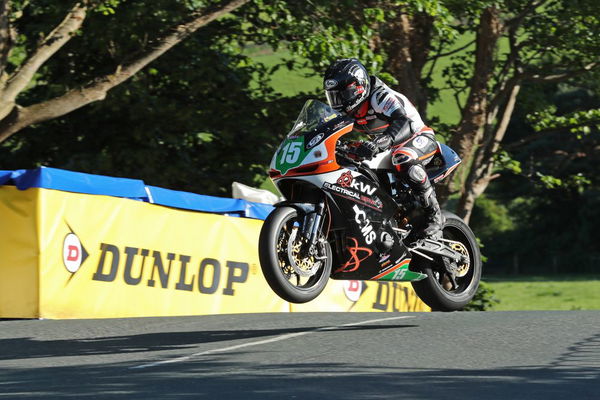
[351,219]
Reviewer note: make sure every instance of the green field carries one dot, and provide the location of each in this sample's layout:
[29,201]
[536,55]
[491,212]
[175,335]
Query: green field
[551,292]
[290,83]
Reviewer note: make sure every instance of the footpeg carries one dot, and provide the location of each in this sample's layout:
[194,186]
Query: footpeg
[433,248]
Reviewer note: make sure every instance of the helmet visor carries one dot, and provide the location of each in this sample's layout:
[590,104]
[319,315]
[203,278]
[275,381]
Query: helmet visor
[338,99]
[334,98]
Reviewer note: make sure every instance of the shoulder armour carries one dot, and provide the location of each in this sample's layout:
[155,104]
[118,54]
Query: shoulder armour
[383,99]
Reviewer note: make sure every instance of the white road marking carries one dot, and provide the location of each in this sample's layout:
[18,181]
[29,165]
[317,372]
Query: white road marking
[265,341]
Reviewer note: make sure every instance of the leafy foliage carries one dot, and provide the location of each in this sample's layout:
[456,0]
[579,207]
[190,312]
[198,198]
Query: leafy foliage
[550,203]
[193,121]
[484,299]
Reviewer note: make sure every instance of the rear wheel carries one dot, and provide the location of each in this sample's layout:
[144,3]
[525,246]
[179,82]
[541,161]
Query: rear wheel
[295,273]
[450,291]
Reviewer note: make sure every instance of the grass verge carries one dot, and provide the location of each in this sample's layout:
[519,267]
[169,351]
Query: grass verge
[549,292]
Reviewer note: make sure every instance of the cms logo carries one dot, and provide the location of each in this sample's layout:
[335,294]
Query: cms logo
[364,223]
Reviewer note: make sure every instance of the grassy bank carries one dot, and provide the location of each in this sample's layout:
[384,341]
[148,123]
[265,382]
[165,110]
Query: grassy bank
[550,292]
[290,83]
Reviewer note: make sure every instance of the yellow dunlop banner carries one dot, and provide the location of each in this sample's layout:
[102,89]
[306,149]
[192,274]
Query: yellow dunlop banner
[364,296]
[70,255]
[19,253]
[111,257]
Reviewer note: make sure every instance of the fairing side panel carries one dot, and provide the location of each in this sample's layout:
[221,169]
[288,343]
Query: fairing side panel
[365,210]
[443,163]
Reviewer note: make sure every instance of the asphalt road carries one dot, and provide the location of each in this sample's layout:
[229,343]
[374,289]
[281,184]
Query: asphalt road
[497,355]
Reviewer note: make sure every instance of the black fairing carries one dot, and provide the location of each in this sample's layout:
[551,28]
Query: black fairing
[362,220]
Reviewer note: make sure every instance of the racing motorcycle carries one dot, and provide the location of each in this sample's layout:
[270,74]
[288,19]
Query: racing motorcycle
[347,218]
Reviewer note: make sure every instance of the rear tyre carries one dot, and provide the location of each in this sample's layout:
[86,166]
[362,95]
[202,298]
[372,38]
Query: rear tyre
[294,278]
[436,290]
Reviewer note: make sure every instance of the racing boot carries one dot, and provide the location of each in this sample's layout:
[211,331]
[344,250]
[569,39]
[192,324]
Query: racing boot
[422,188]
[434,220]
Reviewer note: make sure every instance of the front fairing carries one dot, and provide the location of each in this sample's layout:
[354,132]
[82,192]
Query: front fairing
[306,143]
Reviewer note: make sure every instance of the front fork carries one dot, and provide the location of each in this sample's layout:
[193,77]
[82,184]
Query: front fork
[311,226]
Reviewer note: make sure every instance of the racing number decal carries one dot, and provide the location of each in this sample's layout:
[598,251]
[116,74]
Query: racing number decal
[291,155]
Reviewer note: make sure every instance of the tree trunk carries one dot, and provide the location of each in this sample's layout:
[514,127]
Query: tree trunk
[473,120]
[481,171]
[409,43]
[53,42]
[420,47]
[5,39]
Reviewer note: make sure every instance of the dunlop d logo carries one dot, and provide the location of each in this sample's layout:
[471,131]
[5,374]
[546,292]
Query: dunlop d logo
[153,268]
[74,253]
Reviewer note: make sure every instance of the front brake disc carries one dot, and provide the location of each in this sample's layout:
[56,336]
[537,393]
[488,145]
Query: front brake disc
[303,266]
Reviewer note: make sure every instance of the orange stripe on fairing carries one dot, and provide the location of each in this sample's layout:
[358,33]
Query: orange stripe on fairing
[295,171]
[330,163]
[428,155]
[406,153]
[403,263]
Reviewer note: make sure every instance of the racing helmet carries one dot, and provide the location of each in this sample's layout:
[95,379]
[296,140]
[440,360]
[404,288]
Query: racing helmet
[346,83]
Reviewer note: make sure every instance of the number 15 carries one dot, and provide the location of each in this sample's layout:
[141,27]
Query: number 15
[290,153]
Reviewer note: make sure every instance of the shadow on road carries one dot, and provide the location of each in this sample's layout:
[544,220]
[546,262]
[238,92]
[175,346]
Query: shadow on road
[575,374]
[23,348]
[217,378]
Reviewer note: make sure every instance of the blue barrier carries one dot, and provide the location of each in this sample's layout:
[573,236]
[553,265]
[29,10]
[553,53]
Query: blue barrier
[79,182]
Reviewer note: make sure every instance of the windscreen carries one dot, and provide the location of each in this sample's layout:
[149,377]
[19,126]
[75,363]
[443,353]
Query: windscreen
[315,116]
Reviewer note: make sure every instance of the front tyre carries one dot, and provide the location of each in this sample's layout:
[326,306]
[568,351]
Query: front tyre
[295,277]
[437,290]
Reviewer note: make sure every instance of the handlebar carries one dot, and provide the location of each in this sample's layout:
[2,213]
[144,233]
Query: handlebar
[345,151]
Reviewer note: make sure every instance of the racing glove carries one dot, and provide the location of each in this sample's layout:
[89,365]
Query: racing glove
[369,149]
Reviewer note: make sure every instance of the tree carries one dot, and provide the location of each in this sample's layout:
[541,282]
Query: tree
[496,48]
[199,117]
[545,213]
[392,38]
[548,41]
[18,73]
[403,41]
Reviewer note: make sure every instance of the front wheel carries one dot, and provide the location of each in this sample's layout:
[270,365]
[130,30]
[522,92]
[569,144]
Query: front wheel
[296,274]
[437,290]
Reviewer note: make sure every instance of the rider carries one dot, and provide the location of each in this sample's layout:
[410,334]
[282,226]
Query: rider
[393,124]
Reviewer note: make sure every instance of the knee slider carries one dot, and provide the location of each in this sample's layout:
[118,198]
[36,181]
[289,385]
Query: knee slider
[403,155]
[417,174]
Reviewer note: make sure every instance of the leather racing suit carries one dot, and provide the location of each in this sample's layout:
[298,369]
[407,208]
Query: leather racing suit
[394,124]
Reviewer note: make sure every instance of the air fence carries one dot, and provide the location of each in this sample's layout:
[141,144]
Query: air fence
[76,245]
